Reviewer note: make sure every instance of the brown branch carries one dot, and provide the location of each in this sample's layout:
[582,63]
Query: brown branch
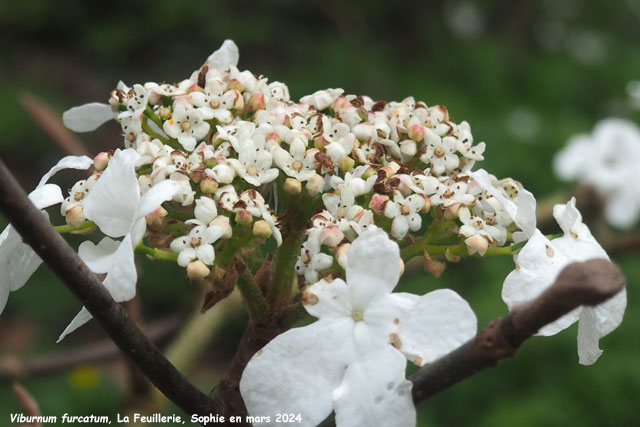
[586,283]
[65,263]
[51,124]
[13,368]
[27,403]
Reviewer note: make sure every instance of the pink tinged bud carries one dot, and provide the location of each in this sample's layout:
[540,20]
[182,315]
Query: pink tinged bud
[427,205]
[101,160]
[273,137]
[262,229]
[208,185]
[156,217]
[235,84]
[243,217]
[75,216]
[451,212]
[477,244]
[331,236]
[256,102]
[340,103]
[378,203]
[292,186]
[232,99]
[315,184]
[346,163]
[416,132]
[197,270]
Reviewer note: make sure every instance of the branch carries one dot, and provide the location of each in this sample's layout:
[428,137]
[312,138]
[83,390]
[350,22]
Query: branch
[585,283]
[50,124]
[65,263]
[13,368]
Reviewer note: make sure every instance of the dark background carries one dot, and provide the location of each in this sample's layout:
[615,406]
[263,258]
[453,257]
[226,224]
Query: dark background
[526,75]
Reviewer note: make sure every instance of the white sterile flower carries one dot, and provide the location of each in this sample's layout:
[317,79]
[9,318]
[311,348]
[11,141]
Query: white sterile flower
[87,117]
[538,264]
[405,213]
[17,260]
[326,366]
[608,161]
[187,125]
[210,102]
[226,56]
[322,99]
[115,205]
[254,164]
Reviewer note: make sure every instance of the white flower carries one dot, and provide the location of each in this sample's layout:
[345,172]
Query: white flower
[187,125]
[210,102]
[538,264]
[198,244]
[405,213]
[298,162]
[440,152]
[225,57]
[311,259]
[254,164]
[608,161]
[115,205]
[362,328]
[17,260]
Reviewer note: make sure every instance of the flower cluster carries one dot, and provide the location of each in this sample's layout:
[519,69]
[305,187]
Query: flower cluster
[225,163]
[607,160]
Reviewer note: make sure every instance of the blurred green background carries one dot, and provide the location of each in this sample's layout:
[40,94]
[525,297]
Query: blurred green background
[526,75]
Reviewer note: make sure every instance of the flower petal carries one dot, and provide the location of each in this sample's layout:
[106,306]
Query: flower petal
[298,371]
[46,195]
[87,117]
[122,275]
[68,162]
[373,266]
[112,201]
[595,323]
[98,257]
[81,318]
[374,392]
[226,56]
[438,323]
[17,262]
[326,299]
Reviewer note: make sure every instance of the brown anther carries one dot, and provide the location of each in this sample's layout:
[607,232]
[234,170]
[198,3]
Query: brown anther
[195,242]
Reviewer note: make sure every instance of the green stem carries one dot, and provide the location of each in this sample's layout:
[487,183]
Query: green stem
[285,267]
[176,213]
[150,114]
[240,237]
[68,228]
[168,141]
[156,253]
[256,304]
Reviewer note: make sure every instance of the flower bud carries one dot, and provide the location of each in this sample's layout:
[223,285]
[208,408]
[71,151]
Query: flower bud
[164,113]
[208,185]
[262,229]
[243,217]
[346,163]
[315,184]
[341,255]
[408,148]
[74,216]
[477,244]
[292,186]
[197,175]
[401,266]
[256,102]
[340,103]
[232,99]
[416,132]
[101,160]
[331,236]
[368,173]
[156,217]
[378,202]
[235,84]
[197,270]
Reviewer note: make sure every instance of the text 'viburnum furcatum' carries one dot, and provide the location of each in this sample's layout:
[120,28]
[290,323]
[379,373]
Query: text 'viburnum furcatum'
[310,207]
